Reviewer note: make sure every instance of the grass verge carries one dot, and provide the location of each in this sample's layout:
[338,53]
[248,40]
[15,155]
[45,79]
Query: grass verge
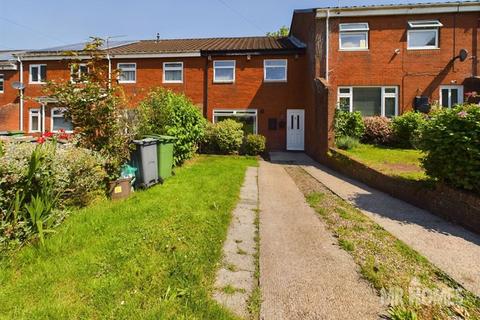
[255,300]
[153,256]
[406,281]
[403,163]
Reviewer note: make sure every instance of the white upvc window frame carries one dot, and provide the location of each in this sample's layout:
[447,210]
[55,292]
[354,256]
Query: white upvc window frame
[237,113]
[384,95]
[78,72]
[52,116]
[38,113]
[39,74]
[172,69]
[120,69]
[365,30]
[2,83]
[215,80]
[450,87]
[285,75]
[422,26]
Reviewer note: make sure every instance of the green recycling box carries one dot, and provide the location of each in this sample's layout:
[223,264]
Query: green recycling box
[164,155]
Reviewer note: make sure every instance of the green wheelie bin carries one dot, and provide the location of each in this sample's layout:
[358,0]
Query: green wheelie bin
[164,155]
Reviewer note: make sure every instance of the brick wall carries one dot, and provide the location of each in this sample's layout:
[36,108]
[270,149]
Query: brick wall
[9,108]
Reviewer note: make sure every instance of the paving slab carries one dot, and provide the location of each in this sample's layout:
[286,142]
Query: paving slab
[304,274]
[450,247]
[239,249]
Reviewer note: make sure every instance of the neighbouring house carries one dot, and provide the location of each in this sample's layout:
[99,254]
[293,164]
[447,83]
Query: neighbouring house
[379,60]
[384,59]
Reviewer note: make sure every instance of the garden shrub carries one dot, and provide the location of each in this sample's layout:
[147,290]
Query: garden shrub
[348,124]
[39,182]
[451,142]
[378,130]
[254,144]
[95,108]
[346,142]
[167,113]
[406,128]
[224,137]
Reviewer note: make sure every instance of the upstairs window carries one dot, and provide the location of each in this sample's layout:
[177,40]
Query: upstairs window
[423,34]
[127,72]
[354,36]
[78,72]
[224,71]
[275,70]
[173,72]
[59,122]
[38,73]
[2,82]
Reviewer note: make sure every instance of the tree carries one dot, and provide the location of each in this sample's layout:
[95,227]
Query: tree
[284,31]
[95,107]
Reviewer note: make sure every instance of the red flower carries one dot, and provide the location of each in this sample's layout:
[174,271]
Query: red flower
[48,134]
[40,140]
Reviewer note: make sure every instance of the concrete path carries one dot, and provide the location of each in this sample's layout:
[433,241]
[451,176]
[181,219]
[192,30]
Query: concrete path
[450,247]
[303,273]
[235,280]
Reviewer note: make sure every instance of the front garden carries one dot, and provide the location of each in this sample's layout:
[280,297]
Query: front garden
[442,146]
[151,256]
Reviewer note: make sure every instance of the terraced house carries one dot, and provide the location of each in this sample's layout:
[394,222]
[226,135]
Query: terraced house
[379,60]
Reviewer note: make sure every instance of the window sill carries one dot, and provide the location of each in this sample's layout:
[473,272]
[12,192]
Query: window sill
[223,82]
[37,83]
[127,82]
[172,82]
[354,50]
[274,81]
[422,48]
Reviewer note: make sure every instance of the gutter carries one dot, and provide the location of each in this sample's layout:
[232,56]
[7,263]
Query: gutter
[327,45]
[384,10]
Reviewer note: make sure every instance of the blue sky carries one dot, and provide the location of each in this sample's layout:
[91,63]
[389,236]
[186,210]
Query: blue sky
[33,24]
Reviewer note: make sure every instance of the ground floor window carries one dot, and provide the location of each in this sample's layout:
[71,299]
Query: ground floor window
[451,96]
[35,123]
[59,122]
[247,117]
[370,101]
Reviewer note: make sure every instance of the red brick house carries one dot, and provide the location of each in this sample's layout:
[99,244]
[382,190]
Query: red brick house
[378,59]
[256,80]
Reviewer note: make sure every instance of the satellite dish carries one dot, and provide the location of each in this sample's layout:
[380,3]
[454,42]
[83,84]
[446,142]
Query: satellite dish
[463,55]
[17,85]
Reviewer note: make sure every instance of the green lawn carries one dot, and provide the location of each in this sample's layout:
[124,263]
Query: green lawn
[395,162]
[153,256]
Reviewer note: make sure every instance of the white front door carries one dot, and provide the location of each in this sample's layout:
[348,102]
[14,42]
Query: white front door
[295,129]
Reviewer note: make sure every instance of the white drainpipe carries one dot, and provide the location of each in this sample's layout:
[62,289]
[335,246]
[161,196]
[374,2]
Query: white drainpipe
[21,93]
[109,70]
[327,44]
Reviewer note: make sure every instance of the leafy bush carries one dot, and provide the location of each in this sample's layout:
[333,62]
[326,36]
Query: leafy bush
[167,113]
[348,124]
[254,144]
[406,128]
[224,137]
[38,182]
[346,142]
[451,142]
[378,130]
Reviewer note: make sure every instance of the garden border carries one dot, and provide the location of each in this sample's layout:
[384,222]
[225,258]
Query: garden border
[454,205]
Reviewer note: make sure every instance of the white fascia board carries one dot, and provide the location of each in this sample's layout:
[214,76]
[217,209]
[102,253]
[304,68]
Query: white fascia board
[116,56]
[347,12]
[50,58]
[156,55]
